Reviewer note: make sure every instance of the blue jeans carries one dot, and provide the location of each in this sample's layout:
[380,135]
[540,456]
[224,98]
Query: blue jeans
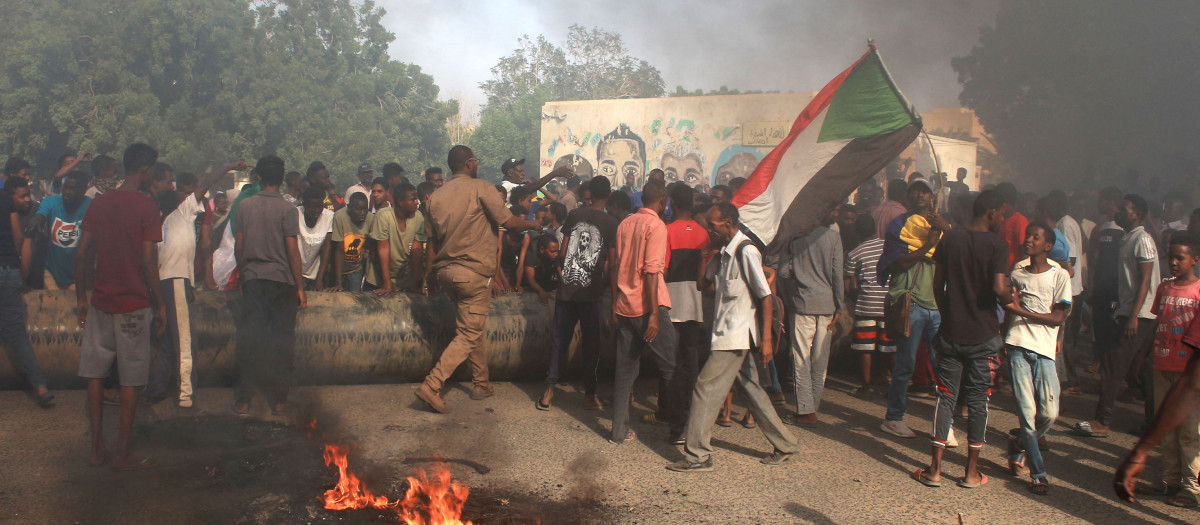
[1035,385]
[12,327]
[923,324]
[566,315]
[353,281]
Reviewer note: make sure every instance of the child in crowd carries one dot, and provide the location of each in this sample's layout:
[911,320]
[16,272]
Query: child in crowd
[541,272]
[870,335]
[1176,304]
[1042,298]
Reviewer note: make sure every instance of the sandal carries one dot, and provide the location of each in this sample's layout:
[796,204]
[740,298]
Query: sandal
[45,400]
[1084,428]
[538,404]
[280,409]
[1039,487]
[919,475]
[969,485]
[241,409]
[725,423]
[1187,502]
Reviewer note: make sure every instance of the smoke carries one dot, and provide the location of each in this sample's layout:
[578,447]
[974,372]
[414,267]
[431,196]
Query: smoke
[782,45]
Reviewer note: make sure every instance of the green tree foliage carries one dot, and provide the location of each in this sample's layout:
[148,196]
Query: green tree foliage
[1083,88]
[209,80]
[594,64]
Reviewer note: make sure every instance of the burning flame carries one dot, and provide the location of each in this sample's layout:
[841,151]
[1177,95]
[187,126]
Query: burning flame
[430,500]
[349,492]
[439,497]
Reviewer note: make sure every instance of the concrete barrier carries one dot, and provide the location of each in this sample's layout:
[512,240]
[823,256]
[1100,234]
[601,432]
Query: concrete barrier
[341,338]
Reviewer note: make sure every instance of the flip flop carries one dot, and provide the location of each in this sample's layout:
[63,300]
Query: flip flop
[725,423]
[1084,429]
[540,406]
[239,411]
[968,485]
[1041,488]
[45,400]
[919,475]
[140,464]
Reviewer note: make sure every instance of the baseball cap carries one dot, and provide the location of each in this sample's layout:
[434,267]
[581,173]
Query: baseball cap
[920,179]
[364,167]
[510,164]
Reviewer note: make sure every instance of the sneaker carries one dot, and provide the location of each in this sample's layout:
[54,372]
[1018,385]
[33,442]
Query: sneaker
[897,428]
[431,398]
[951,442]
[687,466]
[482,392]
[777,456]
[629,435]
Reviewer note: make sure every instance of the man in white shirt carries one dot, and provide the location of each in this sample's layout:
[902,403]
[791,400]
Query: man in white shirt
[737,273]
[1056,208]
[365,174]
[176,268]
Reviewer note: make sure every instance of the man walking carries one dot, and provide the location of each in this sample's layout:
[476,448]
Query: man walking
[120,233]
[587,260]
[267,249]
[1138,277]
[641,311]
[464,220]
[816,282]
[969,281]
[908,249]
[742,291]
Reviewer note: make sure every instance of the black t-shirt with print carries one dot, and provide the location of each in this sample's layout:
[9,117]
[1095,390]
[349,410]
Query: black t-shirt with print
[592,233]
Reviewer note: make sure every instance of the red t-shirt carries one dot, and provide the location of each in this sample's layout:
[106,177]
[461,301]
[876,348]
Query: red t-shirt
[1013,231]
[1176,307]
[119,222]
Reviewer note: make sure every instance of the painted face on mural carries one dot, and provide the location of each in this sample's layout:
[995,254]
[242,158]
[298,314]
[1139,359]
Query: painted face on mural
[578,164]
[621,161]
[688,169]
[739,165]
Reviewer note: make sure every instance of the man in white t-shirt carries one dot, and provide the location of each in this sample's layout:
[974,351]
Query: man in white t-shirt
[316,231]
[1056,208]
[365,174]
[176,268]
[1040,307]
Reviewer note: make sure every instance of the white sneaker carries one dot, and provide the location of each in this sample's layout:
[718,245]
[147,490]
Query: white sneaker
[950,441]
[897,428]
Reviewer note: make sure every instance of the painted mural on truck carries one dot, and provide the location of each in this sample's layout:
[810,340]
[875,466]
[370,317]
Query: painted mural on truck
[701,141]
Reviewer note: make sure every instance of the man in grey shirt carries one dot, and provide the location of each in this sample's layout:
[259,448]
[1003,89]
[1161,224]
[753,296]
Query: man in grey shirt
[268,265]
[813,268]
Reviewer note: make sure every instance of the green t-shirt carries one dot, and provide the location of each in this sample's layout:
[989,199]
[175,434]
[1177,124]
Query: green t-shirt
[922,273]
[353,238]
[386,229]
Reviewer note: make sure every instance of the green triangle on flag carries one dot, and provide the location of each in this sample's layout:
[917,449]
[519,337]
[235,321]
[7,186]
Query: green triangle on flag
[866,104]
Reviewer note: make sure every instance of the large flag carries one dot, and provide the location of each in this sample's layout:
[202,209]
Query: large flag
[853,128]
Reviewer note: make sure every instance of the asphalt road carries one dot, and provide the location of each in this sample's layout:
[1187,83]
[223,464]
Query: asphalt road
[847,472]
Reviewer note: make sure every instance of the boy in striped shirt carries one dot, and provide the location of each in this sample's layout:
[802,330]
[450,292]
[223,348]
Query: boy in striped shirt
[870,335]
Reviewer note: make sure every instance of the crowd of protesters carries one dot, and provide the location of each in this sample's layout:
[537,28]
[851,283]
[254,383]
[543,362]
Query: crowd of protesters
[964,293]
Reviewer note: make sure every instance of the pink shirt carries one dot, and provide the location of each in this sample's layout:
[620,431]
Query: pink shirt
[885,214]
[1176,307]
[641,250]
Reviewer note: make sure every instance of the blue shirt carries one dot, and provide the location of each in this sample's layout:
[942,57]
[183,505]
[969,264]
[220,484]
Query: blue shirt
[64,229]
[1061,252]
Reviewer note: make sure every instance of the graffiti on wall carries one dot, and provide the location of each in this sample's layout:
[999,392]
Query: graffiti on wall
[700,141]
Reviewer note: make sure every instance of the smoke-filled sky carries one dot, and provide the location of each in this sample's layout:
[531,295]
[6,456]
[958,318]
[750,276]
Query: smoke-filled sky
[785,45]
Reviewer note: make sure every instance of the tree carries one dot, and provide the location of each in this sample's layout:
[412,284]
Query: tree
[1069,88]
[209,80]
[594,65]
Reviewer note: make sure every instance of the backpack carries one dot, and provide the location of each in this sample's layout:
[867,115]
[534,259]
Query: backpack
[776,323]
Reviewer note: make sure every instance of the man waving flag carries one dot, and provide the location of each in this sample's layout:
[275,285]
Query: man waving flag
[857,124]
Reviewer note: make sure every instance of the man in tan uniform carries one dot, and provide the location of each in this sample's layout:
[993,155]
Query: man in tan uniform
[464,216]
